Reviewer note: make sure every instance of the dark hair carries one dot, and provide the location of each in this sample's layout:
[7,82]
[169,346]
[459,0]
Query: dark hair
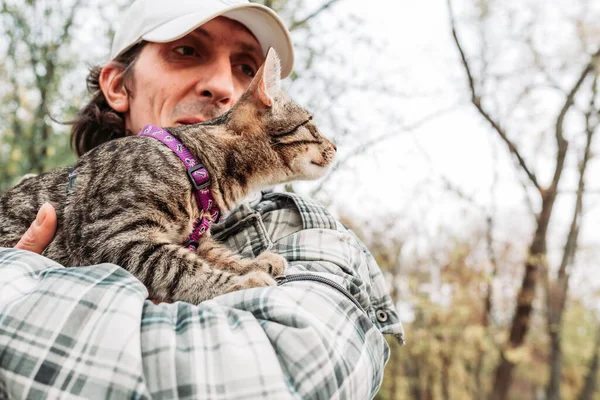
[97,122]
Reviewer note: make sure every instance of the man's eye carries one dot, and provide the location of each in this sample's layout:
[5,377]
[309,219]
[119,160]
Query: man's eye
[248,70]
[185,50]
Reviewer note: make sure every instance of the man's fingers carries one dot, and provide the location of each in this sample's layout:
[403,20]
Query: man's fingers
[40,233]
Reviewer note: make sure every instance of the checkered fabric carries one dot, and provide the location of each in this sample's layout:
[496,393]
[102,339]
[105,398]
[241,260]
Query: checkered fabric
[90,332]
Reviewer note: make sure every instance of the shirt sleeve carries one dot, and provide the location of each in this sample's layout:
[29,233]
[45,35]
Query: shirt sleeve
[90,332]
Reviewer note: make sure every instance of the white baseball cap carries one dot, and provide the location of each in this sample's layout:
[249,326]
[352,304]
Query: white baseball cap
[164,21]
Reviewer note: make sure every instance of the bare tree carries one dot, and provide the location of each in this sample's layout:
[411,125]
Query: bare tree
[32,51]
[536,265]
[42,45]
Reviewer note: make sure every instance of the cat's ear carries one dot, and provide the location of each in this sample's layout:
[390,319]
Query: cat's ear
[269,78]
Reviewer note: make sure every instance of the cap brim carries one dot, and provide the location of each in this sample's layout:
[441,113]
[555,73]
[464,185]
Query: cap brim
[260,20]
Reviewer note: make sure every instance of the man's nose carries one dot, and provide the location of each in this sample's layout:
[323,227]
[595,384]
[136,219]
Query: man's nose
[217,85]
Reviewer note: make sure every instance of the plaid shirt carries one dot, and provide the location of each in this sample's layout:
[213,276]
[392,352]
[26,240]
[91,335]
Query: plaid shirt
[91,333]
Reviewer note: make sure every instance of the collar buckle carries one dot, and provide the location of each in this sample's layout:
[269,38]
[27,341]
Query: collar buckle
[200,179]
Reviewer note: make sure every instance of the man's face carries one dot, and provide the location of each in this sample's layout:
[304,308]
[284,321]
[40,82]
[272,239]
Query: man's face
[192,79]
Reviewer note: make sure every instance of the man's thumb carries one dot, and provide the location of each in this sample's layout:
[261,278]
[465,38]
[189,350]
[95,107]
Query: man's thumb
[40,233]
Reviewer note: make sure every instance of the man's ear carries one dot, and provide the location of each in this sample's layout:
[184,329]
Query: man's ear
[113,87]
[269,78]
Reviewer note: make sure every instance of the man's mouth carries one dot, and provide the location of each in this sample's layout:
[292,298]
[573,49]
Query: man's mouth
[189,121]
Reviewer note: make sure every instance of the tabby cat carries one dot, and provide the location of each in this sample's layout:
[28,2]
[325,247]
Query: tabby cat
[132,202]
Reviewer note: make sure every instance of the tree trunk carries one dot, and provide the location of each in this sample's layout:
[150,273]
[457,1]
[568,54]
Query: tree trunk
[478,389]
[446,362]
[553,388]
[485,322]
[521,319]
[589,386]
[520,326]
[429,387]
[557,295]
[414,380]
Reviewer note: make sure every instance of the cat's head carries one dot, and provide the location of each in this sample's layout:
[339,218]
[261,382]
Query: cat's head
[265,111]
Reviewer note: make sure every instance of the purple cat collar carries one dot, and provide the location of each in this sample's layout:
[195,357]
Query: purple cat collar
[199,178]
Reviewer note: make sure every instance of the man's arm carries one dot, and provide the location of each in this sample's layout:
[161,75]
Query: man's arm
[90,332]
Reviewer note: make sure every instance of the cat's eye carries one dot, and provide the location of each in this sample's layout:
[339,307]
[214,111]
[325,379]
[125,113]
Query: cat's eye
[185,50]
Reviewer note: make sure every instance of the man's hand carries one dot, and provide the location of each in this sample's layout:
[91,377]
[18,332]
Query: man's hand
[40,233]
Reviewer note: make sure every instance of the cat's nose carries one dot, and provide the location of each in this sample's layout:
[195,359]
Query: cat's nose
[332,145]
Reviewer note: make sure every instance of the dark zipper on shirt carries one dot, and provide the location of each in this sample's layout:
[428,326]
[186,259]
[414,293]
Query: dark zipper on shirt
[281,279]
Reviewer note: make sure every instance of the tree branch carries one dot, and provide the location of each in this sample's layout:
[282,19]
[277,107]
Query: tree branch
[476,100]
[64,37]
[561,143]
[381,138]
[573,235]
[556,292]
[297,24]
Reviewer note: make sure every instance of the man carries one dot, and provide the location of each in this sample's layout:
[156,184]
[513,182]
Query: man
[89,332]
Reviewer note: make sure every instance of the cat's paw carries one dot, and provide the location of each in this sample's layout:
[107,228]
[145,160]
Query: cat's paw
[271,263]
[251,280]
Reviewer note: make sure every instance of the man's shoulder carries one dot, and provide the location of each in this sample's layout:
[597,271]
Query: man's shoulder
[277,210]
[314,214]
[312,240]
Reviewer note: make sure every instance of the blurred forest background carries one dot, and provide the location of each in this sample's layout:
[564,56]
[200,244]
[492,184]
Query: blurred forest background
[468,163]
